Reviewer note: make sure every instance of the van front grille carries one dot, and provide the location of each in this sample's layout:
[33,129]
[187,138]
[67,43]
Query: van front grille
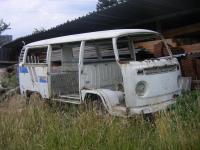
[158,70]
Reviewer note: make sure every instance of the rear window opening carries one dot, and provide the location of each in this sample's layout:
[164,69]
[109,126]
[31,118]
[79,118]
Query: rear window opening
[37,56]
[56,59]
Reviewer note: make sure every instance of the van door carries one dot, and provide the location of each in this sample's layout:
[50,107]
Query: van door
[64,73]
[37,68]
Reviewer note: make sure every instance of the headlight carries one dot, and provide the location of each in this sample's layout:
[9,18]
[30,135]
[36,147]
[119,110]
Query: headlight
[140,88]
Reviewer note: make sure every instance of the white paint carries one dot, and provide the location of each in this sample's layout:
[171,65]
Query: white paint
[114,82]
[160,87]
[34,78]
[101,75]
[91,36]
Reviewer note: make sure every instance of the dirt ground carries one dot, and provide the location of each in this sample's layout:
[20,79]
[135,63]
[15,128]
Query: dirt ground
[13,103]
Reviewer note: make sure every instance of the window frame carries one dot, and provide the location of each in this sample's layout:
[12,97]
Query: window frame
[116,40]
[36,47]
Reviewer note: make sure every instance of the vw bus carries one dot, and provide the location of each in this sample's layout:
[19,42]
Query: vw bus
[118,66]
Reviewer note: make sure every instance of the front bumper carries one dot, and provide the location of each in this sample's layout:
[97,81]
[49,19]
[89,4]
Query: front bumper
[128,112]
[150,108]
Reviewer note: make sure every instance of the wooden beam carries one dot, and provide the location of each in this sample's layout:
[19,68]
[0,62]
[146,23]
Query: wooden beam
[182,30]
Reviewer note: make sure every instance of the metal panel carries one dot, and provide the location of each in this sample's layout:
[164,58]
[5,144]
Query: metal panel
[64,83]
[159,87]
[101,75]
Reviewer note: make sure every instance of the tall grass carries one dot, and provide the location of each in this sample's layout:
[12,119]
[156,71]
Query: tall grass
[39,126]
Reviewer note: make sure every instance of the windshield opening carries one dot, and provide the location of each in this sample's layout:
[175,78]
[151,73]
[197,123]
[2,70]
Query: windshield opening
[141,47]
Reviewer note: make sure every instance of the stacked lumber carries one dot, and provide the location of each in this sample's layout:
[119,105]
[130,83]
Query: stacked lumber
[188,67]
[191,65]
[192,47]
[56,55]
[160,50]
[198,68]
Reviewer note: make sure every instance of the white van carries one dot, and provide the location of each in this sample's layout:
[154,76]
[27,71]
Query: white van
[113,65]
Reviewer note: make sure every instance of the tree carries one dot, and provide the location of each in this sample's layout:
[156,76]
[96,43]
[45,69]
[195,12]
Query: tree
[39,30]
[3,26]
[103,4]
[121,1]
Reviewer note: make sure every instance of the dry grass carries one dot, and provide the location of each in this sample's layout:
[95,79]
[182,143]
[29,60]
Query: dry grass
[39,126]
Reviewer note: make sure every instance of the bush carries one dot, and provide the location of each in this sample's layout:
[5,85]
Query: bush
[10,81]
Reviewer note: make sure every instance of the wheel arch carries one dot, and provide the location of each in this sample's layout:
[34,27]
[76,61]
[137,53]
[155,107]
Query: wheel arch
[86,93]
[108,97]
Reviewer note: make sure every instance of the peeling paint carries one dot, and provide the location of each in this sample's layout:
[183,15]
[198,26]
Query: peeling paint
[125,87]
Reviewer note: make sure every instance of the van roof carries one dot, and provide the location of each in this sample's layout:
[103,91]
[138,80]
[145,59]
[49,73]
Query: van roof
[90,36]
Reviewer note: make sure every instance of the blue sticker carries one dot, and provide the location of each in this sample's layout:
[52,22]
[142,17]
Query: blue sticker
[42,80]
[23,70]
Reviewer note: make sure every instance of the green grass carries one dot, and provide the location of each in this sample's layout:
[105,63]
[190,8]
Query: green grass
[40,126]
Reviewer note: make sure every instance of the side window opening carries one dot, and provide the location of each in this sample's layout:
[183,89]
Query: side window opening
[56,59]
[70,56]
[106,50]
[90,52]
[37,56]
[96,51]
[125,49]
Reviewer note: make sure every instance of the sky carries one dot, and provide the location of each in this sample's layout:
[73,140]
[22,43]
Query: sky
[26,15]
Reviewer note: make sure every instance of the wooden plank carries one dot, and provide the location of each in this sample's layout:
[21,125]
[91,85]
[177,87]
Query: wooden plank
[192,48]
[150,45]
[198,68]
[188,67]
[196,84]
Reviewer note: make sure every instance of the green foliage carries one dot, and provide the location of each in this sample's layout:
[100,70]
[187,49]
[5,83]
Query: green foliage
[10,81]
[3,26]
[39,30]
[103,4]
[40,126]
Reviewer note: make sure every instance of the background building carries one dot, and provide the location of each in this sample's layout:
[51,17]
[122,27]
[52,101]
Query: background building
[178,20]
[4,52]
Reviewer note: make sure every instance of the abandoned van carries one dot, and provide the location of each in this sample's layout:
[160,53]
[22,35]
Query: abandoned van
[118,66]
